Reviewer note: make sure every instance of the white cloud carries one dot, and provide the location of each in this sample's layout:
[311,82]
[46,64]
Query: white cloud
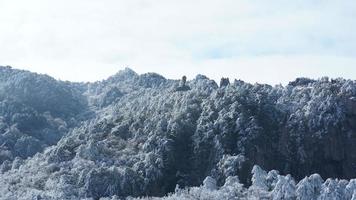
[86,40]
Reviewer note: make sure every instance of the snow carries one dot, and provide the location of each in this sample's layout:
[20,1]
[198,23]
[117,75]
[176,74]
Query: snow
[137,136]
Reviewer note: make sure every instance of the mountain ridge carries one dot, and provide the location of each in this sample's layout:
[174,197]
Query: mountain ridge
[137,135]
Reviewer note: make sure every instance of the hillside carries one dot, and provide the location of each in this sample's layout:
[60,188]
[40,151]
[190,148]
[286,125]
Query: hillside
[145,135]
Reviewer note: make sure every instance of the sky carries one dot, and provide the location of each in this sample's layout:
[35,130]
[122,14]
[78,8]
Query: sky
[261,41]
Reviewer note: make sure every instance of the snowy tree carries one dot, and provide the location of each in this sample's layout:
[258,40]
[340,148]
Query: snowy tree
[259,187]
[136,135]
[272,179]
[309,188]
[259,177]
[209,183]
[351,189]
[333,189]
[285,189]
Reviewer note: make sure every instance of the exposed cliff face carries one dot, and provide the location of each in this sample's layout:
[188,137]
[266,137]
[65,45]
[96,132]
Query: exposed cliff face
[143,136]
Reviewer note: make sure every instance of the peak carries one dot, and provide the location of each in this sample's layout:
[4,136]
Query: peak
[5,67]
[153,75]
[127,71]
[151,80]
[201,77]
[302,81]
[6,72]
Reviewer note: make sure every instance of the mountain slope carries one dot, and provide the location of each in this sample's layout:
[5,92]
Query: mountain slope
[147,134]
[35,112]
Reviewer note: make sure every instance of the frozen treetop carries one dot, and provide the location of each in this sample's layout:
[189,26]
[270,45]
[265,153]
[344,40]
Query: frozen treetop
[135,135]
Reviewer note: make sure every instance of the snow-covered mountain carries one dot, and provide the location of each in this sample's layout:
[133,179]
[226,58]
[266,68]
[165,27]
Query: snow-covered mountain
[144,135]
